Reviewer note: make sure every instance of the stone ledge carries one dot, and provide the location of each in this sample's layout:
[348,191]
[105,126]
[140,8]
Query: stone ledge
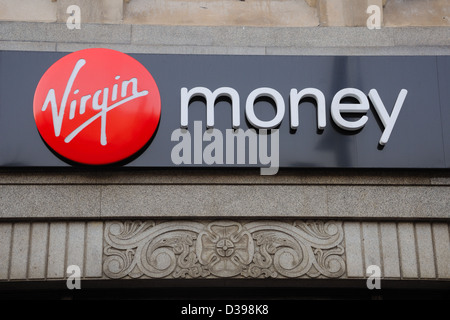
[291,37]
[164,49]
[276,201]
[262,36]
[362,51]
[51,201]
[58,32]
[188,176]
[12,45]
[219,201]
[222,50]
[138,37]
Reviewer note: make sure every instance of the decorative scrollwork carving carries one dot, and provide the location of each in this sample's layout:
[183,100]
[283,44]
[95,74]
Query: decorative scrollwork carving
[224,249]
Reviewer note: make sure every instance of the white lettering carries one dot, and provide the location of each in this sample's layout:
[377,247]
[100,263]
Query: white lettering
[250,111]
[115,88]
[125,84]
[211,98]
[57,115]
[84,100]
[103,107]
[388,121]
[209,311]
[337,108]
[295,99]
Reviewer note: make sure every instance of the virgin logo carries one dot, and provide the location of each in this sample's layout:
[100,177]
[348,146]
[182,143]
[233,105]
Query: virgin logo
[97,106]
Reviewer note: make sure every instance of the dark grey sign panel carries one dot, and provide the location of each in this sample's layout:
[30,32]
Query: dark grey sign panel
[420,137]
[443,67]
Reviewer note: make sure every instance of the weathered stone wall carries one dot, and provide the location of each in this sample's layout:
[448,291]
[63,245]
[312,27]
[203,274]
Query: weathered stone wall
[398,219]
[273,13]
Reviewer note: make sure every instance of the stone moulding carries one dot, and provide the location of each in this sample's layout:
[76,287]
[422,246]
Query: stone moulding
[223,249]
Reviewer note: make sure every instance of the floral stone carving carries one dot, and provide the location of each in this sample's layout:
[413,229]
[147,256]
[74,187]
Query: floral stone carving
[223,249]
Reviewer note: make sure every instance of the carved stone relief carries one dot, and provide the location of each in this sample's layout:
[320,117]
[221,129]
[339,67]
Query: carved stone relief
[223,249]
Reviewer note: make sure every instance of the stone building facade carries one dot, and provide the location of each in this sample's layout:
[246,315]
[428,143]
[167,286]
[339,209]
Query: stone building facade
[300,230]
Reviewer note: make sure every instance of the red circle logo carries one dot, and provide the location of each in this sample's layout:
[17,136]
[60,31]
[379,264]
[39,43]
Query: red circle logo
[97,106]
